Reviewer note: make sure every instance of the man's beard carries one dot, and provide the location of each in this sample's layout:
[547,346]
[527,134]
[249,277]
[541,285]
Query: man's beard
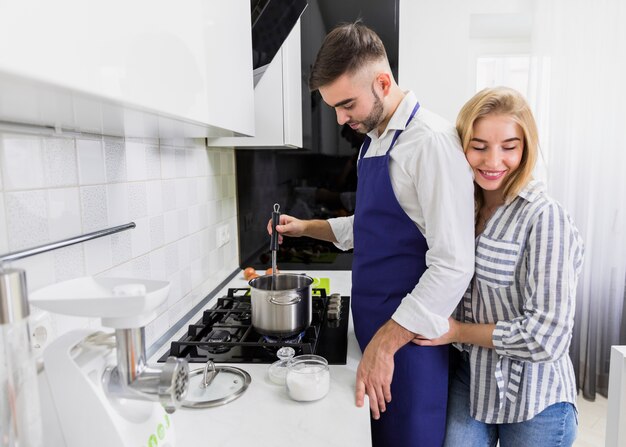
[376,115]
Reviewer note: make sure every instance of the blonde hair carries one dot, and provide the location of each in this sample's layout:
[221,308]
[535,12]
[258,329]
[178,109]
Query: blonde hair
[509,102]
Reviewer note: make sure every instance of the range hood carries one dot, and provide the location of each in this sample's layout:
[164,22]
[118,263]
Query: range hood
[272,21]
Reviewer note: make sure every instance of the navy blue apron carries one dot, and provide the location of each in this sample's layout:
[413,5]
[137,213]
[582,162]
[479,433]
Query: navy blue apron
[389,259]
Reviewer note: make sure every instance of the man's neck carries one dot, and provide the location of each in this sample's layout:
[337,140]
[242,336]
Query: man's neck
[393,100]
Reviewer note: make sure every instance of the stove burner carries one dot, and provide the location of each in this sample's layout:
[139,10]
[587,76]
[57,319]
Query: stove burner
[217,336]
[276,339]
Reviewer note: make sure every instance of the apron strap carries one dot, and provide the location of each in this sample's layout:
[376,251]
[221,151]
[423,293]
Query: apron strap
[399,131]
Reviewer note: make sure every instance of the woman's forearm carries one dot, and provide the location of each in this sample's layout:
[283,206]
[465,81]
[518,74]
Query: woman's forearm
[476,334]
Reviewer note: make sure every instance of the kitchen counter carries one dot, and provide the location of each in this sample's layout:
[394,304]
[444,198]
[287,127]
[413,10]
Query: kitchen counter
[265,415]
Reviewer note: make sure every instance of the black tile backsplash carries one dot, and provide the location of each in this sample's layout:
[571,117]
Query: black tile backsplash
[305,185]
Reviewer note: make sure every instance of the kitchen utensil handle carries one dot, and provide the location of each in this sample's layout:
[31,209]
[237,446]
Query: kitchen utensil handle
[275,221]
[293,299]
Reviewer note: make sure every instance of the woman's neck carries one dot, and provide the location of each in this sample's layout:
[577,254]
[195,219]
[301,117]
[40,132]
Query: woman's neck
[492,199]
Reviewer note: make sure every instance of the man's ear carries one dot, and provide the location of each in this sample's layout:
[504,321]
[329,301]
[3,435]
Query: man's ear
[384,82]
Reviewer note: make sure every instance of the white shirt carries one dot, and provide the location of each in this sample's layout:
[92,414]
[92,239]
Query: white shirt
[433,184]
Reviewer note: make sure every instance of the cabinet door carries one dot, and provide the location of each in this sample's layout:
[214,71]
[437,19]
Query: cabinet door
[188,61]
[277,102]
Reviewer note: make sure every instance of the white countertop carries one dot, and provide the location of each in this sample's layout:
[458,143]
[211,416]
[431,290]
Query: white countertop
[265,415]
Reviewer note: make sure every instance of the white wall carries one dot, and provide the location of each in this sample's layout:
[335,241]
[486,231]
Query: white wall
[438,43]
[177,192]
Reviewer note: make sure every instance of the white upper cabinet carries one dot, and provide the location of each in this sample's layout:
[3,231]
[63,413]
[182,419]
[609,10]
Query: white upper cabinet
[138,68]
[277,102]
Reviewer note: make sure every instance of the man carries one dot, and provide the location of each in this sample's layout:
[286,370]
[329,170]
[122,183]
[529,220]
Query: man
[412,234]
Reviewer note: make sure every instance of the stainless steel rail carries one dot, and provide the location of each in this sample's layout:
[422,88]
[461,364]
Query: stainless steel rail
[64,243]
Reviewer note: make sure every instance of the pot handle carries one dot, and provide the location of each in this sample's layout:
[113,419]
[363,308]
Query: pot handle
[295,298]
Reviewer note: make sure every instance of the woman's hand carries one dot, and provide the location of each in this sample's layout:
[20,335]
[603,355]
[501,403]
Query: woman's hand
[452,336]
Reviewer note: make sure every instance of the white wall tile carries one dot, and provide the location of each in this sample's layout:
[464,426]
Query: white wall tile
[175,191]
[98,257]
[170,225]
[137,200]
[196,273]
[183,222]
[140,237]
[180,156]
[4,244]
[64,218]
[172,264]
[157,232]
[169,195]
[182,196]
[157,264]
[155,198]
[141,267]
[121,250]
[27,220]
[179,310]
[22,162]
[93,202]
[192,191]
[60,166]
[117,203]
[69,262]
[168,162]
[153,161]
[194,219]
[90,162]
[115,160]
[136,166]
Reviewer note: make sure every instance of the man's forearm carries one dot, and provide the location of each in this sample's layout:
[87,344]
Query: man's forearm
[319,229]
[391,337]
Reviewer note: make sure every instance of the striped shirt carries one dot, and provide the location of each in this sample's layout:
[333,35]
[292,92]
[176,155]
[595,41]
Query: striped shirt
[527,264]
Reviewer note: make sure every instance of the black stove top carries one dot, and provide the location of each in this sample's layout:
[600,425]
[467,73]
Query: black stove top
[225,334]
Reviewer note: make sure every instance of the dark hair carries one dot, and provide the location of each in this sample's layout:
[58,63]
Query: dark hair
[347,48]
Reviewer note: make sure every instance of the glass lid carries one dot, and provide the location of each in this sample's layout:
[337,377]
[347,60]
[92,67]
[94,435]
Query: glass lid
[212,385]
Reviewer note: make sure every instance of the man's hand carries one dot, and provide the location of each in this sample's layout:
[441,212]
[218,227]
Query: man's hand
[452,336]
[375,371]
[288,226]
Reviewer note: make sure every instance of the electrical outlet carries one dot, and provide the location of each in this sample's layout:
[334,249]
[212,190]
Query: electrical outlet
[41,331]
[223,235]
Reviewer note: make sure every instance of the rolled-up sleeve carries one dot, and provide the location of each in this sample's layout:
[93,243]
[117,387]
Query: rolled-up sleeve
[445,192]
[554,254]
[343,230]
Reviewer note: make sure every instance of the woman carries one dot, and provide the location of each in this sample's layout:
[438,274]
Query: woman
[515,381]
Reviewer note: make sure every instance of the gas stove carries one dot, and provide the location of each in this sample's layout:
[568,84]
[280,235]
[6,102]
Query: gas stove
[225,334]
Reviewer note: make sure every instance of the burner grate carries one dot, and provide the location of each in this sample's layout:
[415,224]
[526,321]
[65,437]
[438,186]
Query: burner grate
[224,334]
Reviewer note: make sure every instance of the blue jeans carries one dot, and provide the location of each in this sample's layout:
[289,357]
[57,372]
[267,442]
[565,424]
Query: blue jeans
[554,426]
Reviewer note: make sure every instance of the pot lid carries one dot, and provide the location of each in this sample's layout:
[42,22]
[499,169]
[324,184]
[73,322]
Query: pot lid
[212,385]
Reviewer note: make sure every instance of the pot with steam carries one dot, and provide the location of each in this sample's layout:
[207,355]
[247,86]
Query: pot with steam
[281,304]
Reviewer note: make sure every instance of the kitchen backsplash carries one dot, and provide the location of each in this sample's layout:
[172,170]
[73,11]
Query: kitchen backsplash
[178,193]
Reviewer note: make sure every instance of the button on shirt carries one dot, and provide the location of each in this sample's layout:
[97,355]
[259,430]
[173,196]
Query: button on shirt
[527,264]
[433,184]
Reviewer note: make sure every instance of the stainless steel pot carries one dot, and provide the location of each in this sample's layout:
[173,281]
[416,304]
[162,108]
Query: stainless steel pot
[284,308]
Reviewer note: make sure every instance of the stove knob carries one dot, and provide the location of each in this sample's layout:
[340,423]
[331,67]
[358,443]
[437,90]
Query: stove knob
[333,314]
[334,306]
[335,300]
